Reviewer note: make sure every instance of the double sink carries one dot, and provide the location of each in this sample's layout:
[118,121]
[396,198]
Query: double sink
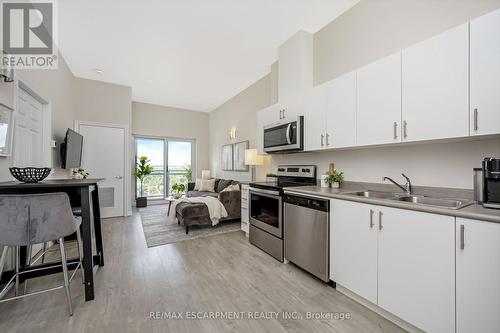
[413,199]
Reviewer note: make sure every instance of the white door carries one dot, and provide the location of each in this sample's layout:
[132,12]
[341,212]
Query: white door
[435,86]
[379,102]
[353,247]
[28,150]
[341,111]
[485,74]
[315,118]
[416,268]
[478,272]
[103,156]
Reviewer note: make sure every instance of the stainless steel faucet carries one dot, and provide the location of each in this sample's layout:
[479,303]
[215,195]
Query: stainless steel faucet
[406,187]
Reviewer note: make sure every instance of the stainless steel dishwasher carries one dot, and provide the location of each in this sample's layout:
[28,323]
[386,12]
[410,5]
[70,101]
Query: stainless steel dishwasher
[306,233]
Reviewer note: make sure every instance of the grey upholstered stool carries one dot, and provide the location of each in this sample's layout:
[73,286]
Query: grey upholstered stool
[33,219]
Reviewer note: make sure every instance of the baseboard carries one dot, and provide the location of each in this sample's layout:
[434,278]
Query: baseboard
[377,309]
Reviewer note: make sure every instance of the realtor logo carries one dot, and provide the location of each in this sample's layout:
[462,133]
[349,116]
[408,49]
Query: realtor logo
[28,32]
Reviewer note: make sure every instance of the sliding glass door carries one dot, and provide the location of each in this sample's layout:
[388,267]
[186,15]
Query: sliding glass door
[173,161]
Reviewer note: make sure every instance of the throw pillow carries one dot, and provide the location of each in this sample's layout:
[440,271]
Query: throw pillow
[223,183]
[207,185]
[233,187]
[197,184]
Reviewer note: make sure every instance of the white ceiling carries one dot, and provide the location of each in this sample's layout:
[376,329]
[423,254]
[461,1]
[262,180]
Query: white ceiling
[191,54]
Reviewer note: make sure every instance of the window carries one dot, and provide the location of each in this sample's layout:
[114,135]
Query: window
[173,161]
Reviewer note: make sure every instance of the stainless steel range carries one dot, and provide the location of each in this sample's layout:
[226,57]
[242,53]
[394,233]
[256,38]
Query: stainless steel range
[266,206]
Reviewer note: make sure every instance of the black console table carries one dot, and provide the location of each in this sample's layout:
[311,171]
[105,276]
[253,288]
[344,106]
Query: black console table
[82,193]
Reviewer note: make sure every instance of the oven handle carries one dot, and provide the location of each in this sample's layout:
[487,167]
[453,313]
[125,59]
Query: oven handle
[288,131]
[258,190]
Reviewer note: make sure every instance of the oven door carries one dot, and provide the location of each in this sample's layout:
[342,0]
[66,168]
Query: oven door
[283,137]
[266,211]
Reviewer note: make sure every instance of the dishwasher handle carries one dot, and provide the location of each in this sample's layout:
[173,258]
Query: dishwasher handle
[307,202]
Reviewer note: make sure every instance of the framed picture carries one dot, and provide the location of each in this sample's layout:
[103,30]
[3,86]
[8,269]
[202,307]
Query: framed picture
[6,130]
[227,157]
[239,156]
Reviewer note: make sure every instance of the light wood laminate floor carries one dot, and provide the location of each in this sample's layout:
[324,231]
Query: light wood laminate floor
[219,273]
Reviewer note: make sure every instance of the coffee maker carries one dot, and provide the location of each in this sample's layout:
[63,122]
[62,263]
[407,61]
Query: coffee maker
[491,182]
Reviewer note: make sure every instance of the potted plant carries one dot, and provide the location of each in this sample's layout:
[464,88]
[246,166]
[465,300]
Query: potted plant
[334,178]
[143,170]
[270,176]
[177,190]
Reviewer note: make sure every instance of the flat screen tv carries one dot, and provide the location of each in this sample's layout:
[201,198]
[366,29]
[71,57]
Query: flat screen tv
[71,150]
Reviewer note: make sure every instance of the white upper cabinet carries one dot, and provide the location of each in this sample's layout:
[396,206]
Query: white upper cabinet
[379,102]
[478,272]
[341,111]
[435,87]
[295,66]
[485,74]
[416,268]
[315,119]
[353,247]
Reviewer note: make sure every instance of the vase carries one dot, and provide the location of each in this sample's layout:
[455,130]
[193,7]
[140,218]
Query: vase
[141,202]
[335,185]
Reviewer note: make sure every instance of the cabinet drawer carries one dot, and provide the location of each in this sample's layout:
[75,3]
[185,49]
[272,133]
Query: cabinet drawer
[244,214]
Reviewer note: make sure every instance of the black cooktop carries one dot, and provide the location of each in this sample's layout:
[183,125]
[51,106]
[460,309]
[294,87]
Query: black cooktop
[283,182]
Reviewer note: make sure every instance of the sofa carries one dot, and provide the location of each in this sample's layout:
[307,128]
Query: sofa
[190,214]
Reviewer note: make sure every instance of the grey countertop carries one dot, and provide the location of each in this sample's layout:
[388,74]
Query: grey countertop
[474,211]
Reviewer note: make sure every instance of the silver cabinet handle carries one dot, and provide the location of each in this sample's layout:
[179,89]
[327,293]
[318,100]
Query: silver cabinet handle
[281,114]
[462,237]
[380,226]
[327,141]
[476,116]
[395,130]
[284,113]
[322,140]
[405,129]
[371,218]
[119,177]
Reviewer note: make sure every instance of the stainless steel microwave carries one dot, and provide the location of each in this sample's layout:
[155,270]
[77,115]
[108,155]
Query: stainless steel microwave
[285,136]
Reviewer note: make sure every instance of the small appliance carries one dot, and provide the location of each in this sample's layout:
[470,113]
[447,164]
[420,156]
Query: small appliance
[491,182]
[285,136]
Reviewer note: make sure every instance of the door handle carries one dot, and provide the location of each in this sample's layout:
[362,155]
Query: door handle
[405,129]
[280,114]
[462,237]
[327,142]
[284,113]
[380,226]
[322,140]
[476,116]
[118,177]
[395,130]
[288,133]
[371,218]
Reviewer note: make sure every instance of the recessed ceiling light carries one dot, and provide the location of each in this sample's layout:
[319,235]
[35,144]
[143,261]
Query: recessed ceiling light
[98,70]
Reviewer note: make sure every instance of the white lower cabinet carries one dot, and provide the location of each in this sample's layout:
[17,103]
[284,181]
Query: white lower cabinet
[401,260]
[353,249]
[478,276]
[416,268]
[245,194]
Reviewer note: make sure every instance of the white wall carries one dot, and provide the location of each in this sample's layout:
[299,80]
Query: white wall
[162,121]
[239,112]
[364,33]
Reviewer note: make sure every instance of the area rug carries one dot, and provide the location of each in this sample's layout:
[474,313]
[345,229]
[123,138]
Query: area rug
[160,232]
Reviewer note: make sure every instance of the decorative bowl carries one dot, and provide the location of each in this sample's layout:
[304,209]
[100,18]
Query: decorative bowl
[29,174]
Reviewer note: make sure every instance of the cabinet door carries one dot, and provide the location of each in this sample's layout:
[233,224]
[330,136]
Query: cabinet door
[265,117]
[379,102]
[314,119]
[416,268]
[341,111]
[353,248]
[485,74]
[478,272]
[435,86]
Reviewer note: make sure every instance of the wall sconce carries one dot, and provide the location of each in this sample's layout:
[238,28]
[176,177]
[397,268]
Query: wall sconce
[232,133]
